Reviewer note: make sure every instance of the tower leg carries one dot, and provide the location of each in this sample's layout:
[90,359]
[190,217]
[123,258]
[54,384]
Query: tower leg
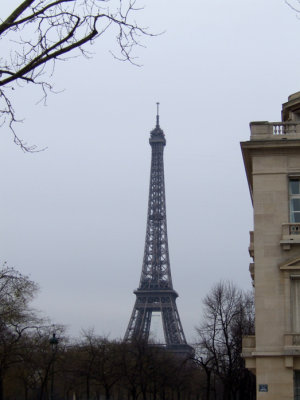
[139,324]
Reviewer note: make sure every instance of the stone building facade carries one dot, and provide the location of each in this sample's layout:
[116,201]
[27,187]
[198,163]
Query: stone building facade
[272,163]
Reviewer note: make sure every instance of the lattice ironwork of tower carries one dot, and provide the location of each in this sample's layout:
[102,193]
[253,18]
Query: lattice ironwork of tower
[155,292]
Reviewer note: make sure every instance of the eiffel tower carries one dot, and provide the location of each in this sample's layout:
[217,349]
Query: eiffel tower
[155,292]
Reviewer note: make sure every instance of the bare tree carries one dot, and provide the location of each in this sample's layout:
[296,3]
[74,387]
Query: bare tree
[16,317]
[228,315]
[25,353]
[33,369]
[38,33]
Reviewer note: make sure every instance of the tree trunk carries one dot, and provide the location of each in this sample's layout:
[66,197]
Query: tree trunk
[208,383]
[134,394]
[43,386]
[1,385]
[226,392]
[107,393]
[25,391]
[87,388]
[155,393]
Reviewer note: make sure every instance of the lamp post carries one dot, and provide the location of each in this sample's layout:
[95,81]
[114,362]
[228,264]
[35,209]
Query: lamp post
[53,343]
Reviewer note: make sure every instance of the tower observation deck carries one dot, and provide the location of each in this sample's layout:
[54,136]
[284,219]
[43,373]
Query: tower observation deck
[155,292]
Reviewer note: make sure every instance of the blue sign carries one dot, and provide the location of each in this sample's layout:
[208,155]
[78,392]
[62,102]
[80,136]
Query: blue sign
[263,388]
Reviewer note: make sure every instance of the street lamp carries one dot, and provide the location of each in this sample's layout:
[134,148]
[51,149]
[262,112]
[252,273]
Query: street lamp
[53,343]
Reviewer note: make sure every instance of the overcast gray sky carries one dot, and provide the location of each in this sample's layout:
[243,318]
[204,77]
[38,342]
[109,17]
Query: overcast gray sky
[74,216]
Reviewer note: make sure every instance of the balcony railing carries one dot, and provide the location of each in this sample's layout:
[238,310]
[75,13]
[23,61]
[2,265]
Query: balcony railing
[290,229]
[252,272]
[248,342]
[290,235]
[284,128]
[274,130]
[292,340]
[251,244]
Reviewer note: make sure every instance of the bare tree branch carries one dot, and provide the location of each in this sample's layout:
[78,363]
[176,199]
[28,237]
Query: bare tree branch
[40,32]
[14,15]
[295,8]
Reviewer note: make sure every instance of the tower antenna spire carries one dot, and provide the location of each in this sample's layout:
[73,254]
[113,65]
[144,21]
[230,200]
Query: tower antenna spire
[157,114]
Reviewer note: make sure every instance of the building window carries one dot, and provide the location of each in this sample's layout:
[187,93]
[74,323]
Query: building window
[295,303]
[296,385]
[294,193]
